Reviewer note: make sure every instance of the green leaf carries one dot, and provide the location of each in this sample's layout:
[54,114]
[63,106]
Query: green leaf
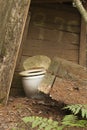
[50,121]
[82,123]
[14,128]
[49,127]
[60,127]
[55,123]
[86,114]
[43,125]
[28,119]
[45,119]
[36,122]
[83,112]
[77,110]
[69,118]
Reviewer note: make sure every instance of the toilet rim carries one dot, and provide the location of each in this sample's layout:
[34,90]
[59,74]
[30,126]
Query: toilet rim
[33,72]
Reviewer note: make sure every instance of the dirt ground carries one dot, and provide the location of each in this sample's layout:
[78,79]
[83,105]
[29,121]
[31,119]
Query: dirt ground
[19,107]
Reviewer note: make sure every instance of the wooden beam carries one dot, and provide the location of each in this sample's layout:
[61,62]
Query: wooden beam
[23,40]
[82,48]
[50,1]
[70,85]
[13,15]
[49,78]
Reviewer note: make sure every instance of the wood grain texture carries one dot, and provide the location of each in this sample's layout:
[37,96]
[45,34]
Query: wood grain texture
[71,81]
[53,31]
[50,1]
[66,47]
[70,85]
[23,58]
[83,43]
[69,91]
[57,36]
[64,18]
[23,40]
[66,70]
[49,78]
[15,20]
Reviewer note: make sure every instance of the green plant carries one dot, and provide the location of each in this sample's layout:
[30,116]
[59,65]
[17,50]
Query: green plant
[49,124]
[41,123]
[68,120]
[78,108]
[71,121]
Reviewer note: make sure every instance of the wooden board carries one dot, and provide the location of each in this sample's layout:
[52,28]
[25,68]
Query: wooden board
[14,14]
[17,87]
[70,84]
[49,78]
[53,32]
[41,47]
[44,33]
[69,91]
[50,1]
[23,40]
[61,17]
[83,42]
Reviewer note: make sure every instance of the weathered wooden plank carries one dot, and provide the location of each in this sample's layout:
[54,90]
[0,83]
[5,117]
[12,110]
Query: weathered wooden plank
[63,49]
[16,86]
[23,58]
[20,67]
[53,46]
[17,81]
[70,85]
[68,68]
[11,41]
[69,91]
[25,33]
[42,33]
[59,24]
[50,1]
[49,78]
[19,92]
[62,19]
[4,18]
[59,21]
[83,42]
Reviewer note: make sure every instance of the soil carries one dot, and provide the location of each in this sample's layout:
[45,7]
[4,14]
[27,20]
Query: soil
[19,107]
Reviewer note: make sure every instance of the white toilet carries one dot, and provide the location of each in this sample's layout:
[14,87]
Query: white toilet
[31,79]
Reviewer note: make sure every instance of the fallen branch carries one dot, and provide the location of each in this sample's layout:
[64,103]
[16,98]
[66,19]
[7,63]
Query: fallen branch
[78,4]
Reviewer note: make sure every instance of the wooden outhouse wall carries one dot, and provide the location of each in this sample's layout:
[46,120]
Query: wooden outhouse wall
[54,30]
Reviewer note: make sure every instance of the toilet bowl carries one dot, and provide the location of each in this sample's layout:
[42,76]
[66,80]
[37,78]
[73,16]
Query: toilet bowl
[31,80]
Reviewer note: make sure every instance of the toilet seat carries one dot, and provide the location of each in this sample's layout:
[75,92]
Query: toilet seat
[33,72]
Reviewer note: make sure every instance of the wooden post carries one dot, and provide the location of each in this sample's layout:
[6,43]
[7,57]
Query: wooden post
[13,15]
[82,48]
[23,40]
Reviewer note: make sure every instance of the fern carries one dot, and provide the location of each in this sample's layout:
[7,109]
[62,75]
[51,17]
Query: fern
[71,120]
[49,124]
[68,120]
[41,123]
[77,109]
